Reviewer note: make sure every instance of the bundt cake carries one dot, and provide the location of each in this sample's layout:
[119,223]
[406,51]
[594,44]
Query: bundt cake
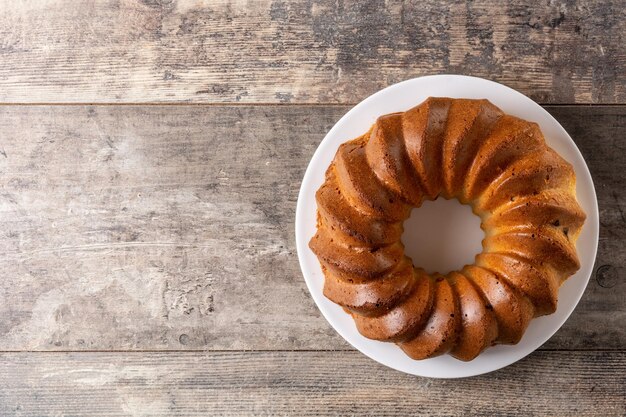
[500,165]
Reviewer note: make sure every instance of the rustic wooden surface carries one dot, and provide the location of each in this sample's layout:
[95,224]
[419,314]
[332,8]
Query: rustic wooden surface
[147,251]
[150,228]
[302,384]
[325,51]
[172,227]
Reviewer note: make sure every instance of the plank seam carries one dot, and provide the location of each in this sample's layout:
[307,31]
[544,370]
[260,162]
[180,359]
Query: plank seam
[617,350]
[238,104]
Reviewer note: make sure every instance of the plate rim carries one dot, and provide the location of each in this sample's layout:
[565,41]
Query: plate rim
[302,241]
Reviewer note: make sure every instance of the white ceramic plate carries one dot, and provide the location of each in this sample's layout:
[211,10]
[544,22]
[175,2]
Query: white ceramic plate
[400,97]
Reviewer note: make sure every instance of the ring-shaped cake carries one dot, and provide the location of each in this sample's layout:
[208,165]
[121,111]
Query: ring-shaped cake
[523,191]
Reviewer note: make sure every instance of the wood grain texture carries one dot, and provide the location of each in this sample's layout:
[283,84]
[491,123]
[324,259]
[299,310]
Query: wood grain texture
[326,51]
[171,227]
[303,384]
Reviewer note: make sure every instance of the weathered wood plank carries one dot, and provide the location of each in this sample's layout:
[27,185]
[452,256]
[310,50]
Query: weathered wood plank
[301,383]
[171,227]
[304,52]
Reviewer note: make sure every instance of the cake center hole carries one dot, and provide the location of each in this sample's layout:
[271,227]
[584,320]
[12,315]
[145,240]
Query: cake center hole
[442,236]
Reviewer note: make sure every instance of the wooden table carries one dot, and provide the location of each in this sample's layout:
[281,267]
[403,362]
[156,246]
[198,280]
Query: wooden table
[151,153]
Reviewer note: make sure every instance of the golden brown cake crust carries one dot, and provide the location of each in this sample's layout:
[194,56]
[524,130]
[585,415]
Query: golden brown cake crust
[500,165]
